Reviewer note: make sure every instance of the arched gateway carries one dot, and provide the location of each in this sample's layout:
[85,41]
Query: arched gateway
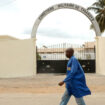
[68,6]
[65,6]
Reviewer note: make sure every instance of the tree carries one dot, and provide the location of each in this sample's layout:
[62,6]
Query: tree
[99,8]
[38,56]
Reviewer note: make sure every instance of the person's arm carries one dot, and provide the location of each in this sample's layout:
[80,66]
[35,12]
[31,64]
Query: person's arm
[74,68]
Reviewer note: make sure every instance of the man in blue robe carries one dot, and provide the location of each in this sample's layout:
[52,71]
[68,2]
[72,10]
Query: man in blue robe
[75,81]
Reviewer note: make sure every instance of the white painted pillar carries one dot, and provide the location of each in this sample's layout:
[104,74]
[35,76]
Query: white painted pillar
[100,55]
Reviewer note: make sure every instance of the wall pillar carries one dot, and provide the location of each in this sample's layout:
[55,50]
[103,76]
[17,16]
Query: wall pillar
[100,55]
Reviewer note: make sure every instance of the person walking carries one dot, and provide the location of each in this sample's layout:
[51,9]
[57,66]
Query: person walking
[75,81]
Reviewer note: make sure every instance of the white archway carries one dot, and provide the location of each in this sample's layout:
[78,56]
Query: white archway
[68,6]
[65,6]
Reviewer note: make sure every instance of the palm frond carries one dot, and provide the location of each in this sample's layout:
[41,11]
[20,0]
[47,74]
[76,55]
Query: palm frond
[97,4]
[100,4]
[99,8]
[101,21]
[95,9]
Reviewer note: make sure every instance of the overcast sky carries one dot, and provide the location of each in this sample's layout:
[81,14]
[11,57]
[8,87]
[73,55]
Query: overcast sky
[18,16]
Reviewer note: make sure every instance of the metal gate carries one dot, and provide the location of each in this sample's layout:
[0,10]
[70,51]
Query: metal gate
[51,59]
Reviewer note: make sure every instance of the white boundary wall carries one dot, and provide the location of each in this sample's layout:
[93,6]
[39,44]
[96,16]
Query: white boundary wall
[17,58]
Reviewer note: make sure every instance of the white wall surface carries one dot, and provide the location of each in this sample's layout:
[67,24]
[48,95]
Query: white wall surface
[100,55]
[17,58]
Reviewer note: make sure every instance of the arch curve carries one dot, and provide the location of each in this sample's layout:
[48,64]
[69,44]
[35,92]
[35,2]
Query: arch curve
[65,6]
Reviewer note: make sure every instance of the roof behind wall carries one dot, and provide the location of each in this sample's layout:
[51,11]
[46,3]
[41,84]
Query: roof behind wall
[89,44]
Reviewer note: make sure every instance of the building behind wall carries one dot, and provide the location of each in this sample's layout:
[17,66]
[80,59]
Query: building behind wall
[85,51]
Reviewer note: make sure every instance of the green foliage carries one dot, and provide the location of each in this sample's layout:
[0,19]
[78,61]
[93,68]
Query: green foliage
[38,56]
[99,8]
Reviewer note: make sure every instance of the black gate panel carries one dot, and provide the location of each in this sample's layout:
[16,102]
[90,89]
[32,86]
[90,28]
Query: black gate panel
[59,66]
[89,66]
[51,66]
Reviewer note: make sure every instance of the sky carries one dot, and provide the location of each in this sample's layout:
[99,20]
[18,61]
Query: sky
[17,18]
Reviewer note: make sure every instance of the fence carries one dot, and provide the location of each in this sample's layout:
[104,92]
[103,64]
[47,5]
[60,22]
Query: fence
[57,52]
[52,59]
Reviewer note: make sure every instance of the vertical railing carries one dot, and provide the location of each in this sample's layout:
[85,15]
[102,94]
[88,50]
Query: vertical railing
[57,52]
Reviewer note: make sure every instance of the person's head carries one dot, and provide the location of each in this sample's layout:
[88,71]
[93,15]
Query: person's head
[69,52]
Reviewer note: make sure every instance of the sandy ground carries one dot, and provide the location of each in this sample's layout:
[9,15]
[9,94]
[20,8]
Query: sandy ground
[44,90]
[47,83]
[46,99]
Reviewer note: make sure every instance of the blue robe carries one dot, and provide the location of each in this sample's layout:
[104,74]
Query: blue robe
[75,80]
